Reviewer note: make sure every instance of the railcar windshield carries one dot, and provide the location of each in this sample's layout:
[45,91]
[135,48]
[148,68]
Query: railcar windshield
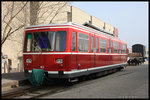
[45,41]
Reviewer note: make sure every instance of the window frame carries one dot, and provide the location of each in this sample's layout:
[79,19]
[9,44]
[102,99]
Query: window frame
[108,46]
[75,41]
[124,52]
[56,34]
[25,44]
[92,44]
[102,42]
[48,32]
[97,44]
[115,46]
[79,37]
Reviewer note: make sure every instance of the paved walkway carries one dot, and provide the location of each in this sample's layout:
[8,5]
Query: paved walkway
[13,79]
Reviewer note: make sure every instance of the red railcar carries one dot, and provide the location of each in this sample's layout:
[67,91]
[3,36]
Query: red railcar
[71,50]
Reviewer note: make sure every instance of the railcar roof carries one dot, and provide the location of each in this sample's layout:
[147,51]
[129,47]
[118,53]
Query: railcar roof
[77,25]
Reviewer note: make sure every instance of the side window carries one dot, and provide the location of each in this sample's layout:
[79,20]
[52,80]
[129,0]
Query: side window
[111,47]
[102,45]
[108,46]
[83,42]
[61,41]
[124,48]
[96,44]
[120,45]
[115,47]
[92,44]
[73,41]
[28,42]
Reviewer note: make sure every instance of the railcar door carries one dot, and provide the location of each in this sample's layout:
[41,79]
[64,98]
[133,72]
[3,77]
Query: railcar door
[92,56]
[83,55]
[96,50]
[109,50]
[73,59]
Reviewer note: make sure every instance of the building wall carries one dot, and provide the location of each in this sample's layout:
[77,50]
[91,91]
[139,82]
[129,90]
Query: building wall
[109,27]
[53,12]
[13,46]
[79,16]
[97,22]
[46,13]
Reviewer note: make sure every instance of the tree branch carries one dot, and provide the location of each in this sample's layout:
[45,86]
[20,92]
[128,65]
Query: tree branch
[10,33]
[57,12]
[9,22]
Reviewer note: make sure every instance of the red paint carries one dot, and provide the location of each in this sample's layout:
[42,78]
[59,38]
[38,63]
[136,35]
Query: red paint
[73,61]
[116,32]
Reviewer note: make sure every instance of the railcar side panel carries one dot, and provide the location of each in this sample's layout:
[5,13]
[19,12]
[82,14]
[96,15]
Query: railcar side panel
[75,59]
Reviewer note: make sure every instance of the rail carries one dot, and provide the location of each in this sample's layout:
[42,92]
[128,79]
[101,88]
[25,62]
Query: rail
[54,87]
[20,92]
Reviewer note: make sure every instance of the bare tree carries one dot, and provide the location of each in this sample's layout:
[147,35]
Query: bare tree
[39,13]
[17,15]
[57,12]
[8,19]
[45,12]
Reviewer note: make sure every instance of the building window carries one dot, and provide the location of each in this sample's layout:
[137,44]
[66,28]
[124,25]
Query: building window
[102,45]
[61,41]
[74,41]
[69,16]
[83,42]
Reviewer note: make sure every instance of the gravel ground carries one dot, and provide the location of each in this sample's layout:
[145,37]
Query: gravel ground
[131,82]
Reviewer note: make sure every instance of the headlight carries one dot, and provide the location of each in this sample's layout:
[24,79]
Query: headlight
[28,61]
[59,61]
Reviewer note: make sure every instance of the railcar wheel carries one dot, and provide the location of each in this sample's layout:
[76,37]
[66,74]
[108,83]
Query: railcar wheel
[48,81]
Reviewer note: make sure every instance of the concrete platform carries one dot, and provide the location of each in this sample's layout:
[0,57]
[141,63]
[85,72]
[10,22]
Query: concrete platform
[10,80]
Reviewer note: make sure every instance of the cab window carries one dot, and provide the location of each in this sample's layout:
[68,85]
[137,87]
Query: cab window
[61,41]
[28,42]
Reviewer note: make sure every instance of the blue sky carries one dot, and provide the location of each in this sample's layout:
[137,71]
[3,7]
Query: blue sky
[131,18]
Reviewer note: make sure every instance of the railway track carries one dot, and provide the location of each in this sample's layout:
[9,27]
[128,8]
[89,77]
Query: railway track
[19,92]
[52,86]
[37,92]
[50,92]
[41,91]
